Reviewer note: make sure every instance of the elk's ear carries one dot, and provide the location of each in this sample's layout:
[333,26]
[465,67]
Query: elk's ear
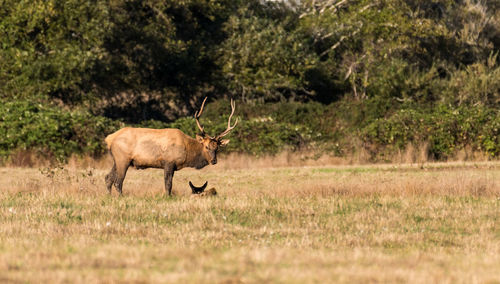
[199,138]
[224,142]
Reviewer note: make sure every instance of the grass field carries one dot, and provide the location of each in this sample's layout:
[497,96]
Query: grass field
[438,223]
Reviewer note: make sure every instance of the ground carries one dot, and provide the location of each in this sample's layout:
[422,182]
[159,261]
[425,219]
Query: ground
[390,223]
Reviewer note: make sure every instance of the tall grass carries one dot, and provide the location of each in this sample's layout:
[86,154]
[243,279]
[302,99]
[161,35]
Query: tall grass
[386,223]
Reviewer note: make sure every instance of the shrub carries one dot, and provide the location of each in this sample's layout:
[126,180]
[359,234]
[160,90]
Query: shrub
[50,131]
[446,129]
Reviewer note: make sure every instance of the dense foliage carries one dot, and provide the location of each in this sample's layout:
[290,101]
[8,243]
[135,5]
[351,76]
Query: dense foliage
[49,131]
[306,74]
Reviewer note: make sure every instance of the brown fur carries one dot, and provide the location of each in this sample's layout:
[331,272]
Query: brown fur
[209,192]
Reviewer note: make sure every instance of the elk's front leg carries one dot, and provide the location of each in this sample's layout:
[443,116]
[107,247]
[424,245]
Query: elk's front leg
[169,175]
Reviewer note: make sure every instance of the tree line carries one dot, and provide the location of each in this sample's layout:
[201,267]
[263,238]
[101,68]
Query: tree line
[358,62]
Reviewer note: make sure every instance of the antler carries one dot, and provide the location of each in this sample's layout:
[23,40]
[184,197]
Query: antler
[198,114]
[229,127]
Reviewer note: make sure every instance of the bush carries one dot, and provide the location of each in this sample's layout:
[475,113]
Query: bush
[50,131]
[446,129]
[56,133]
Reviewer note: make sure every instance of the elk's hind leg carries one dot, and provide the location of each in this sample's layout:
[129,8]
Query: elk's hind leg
[120,167]
[121,171]
[111,178]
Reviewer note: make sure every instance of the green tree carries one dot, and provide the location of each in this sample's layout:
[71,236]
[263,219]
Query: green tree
[48,48]
[372,45]
[264,58]
[160,57]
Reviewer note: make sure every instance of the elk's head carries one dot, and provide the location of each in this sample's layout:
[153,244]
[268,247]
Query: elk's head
[197,189]
[211,144]
[200,191]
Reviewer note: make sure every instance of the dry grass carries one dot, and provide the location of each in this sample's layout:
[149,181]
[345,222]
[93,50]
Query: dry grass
[404,223]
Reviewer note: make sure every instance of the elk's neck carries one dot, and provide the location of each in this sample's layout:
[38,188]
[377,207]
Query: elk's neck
[195,157]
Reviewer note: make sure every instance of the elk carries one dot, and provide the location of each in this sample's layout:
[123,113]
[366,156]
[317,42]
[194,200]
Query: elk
[168,149]
[199,191]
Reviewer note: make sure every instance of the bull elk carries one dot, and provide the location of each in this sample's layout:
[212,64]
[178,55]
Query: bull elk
[168,149]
